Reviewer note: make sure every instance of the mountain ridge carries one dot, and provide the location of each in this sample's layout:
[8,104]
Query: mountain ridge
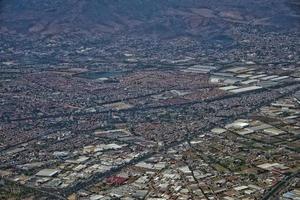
[164,18]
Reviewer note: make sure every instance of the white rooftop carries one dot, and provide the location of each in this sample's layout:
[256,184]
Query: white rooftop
[47,172]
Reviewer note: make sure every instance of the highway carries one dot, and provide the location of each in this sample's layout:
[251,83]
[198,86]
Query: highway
[281,185]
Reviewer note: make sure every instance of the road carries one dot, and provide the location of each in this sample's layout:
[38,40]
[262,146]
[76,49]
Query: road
[281,185]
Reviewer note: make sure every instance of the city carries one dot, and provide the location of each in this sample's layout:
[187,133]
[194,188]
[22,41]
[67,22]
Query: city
[132,117]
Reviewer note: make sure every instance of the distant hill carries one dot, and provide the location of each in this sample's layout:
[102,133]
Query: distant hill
[161,17]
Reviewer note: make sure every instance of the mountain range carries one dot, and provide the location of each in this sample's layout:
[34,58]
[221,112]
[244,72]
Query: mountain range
[165,18]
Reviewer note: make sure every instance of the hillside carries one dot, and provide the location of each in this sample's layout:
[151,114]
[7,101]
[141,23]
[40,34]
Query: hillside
[165,18]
